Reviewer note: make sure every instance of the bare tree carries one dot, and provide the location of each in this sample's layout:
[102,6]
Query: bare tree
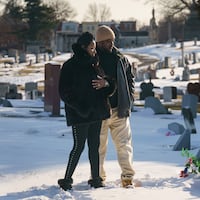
[104,12]
[63,9]
[177,7]
[98,12]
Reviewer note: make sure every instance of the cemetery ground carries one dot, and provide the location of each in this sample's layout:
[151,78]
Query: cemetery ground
[34,145]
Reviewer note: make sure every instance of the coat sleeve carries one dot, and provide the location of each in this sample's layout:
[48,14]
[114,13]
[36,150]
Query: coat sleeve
[110,90]
[130,78]
[67,91]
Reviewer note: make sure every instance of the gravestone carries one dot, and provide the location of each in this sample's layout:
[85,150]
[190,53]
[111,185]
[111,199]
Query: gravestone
[167,62]
[12,93]
[190,101]
[194,88]
[180,63]
[37,57]
[22,57]
[51,94]
[31,90]
[177,128]
[173,42]
[147,90]
[194,57]
[186,60]
[155,104]
[169,93]
[46,57]
[184,141]
[4,88]
[189,120]
[5,103]
[186,74]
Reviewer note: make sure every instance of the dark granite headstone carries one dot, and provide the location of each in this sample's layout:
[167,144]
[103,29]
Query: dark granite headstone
[12,93]
[147,90]
[194,88]
[4,88]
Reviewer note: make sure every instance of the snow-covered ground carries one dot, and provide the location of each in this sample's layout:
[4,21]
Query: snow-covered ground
[34,149]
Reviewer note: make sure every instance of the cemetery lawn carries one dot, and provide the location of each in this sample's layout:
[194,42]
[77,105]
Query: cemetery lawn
[34,147]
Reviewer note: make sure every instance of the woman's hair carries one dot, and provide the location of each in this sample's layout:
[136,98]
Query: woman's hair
[83,42]
[85,39]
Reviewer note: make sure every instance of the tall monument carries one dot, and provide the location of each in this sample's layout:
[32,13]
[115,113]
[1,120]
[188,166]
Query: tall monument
[153,29]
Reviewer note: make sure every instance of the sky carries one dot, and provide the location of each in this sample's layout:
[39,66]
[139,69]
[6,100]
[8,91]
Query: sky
[140,10]
[34,146]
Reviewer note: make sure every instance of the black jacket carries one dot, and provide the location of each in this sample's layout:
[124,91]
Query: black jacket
[83,103]
[125,81]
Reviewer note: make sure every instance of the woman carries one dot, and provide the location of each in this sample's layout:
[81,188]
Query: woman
[85,89]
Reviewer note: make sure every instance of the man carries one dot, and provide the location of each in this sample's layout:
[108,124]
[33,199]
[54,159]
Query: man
[117,66]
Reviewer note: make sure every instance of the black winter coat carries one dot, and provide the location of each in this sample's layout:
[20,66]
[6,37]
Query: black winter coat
[125,81]
[83,103]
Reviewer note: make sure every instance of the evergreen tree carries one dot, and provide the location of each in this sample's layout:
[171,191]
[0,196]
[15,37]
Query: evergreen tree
[39,17]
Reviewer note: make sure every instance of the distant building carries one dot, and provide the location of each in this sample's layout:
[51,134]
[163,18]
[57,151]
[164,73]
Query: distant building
[90,27]
[66,35]
[127,26]
[133,39]
[129,37]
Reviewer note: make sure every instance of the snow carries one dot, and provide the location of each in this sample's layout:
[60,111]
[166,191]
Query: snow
[34,148]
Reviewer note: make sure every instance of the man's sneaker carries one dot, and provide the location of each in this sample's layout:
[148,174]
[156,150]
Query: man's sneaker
[127,181]
[96,183]
[65,184]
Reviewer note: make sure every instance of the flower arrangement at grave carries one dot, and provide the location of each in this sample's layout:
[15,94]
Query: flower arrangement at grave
[192,165]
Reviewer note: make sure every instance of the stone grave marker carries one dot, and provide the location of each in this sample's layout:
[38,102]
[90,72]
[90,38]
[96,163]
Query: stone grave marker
[31,91]
[186,74]
[12,93]
[4,88]
[194,57]
[189,120]
[155,104]
[194,88]
[177,128]
[190,101]
[146,90]
[169,93]
[167,62]
[184,141]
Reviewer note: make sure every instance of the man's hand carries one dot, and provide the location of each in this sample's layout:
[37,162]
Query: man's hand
[99,83]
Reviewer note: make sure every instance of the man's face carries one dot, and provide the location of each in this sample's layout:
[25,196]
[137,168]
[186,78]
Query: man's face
[106,45]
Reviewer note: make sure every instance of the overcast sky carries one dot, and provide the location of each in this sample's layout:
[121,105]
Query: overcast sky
[120,9]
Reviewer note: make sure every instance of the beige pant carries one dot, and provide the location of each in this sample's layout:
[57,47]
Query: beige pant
[121,134]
